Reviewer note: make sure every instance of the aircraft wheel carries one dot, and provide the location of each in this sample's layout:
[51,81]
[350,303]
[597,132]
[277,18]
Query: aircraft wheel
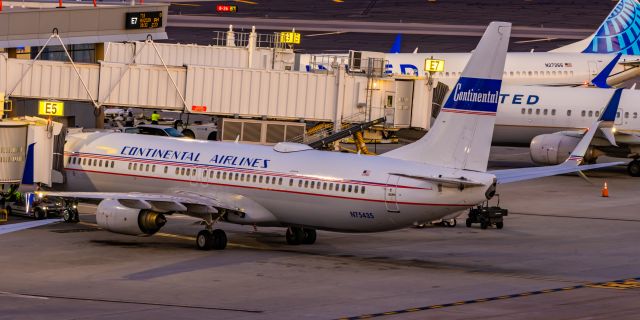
[204,240]
[499,225]
[309,236]
[634,168]
[67,216]
[294,236]
[452,223]
[38,213]
[219,239]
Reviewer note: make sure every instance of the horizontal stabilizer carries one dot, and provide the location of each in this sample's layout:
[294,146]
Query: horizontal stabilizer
[445,181]
[515,175]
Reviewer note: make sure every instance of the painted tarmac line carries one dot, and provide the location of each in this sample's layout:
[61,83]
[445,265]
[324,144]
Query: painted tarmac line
[26,225]
[632,283]
[24,296]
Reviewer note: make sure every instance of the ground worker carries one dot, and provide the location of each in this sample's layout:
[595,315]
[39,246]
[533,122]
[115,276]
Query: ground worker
[155,117]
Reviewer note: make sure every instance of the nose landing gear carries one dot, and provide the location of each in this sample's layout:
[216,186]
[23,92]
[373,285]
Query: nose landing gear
[298,235]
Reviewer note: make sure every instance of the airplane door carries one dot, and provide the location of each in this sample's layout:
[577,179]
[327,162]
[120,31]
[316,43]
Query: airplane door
[593,68]
[619,116]
[391,194]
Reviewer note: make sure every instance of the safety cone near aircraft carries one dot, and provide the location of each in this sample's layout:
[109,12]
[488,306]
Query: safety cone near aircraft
[605,190]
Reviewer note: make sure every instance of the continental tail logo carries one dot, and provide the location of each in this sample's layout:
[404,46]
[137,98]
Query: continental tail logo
[474,96]
[620,32]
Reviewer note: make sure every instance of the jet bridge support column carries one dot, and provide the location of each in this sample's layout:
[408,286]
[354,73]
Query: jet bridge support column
[338,107]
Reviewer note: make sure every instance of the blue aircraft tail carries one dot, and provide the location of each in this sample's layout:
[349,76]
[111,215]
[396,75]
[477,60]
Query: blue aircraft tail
[619,33]
[397,44]
[28,174]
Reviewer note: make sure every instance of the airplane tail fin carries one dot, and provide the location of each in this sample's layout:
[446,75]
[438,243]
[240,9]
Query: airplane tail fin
[462,133]
[397,44]
[28,174]
[619,33]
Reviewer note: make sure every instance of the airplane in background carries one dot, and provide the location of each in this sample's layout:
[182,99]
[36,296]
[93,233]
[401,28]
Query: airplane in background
[139,179]
[551,121]
[576,64]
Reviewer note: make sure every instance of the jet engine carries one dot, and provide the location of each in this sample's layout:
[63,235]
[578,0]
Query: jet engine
[549,149]
[115,217]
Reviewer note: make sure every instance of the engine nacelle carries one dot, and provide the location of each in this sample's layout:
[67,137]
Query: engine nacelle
[549,149]
[115,217]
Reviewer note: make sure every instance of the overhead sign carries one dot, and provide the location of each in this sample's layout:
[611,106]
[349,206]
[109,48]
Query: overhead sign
[433,65]
[143,20]
[227,8]
[290,37]
[50,108]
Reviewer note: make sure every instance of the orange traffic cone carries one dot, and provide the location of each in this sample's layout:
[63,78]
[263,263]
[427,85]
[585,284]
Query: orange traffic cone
[605,190]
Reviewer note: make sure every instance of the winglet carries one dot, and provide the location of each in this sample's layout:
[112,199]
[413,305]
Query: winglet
[608,117]
[600,80]
[397,44]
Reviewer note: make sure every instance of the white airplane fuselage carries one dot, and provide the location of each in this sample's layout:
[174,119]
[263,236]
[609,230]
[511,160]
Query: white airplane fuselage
[317,189]
[521,68]
[527,111]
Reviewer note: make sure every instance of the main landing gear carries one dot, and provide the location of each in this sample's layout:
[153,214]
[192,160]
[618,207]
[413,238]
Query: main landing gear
[299,235]
[634,168]
[210,239]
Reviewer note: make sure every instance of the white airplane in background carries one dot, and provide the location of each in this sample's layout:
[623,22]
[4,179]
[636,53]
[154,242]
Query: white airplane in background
[552,119]
[572,65]
[139,179]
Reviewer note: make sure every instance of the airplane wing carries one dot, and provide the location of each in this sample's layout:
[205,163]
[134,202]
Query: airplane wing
[515,175]
[192,204]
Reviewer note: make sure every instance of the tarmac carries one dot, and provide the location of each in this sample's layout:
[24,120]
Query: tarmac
[565,253]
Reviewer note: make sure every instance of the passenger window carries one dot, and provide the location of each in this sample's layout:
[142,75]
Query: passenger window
[590,113]
[343,187]
[280,181]
[224,176]
[362,190]
[618,114]
[242,177]
[330,186]
[553,112]
[350,188]
[135,166]
[218,175]
[299,183]
[177,171]
[112,163]
[166,169]
[626,114]
[537,111]
[255,178]
[100,163]
[597,113]
[635,115]
[511,73]
[182,171]
[529,76]
[355,189]
[324,186]
[583,113]
[266,179]
[523,110]
[312,184]
[568,113]
[204,173]
[211,174]
[290,182]
[146,168]
[544,112]
[260,179]
[529,111]
[306,183]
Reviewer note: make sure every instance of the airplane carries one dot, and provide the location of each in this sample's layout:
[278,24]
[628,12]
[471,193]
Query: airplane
[576,64]
[551,120]
[140,179]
